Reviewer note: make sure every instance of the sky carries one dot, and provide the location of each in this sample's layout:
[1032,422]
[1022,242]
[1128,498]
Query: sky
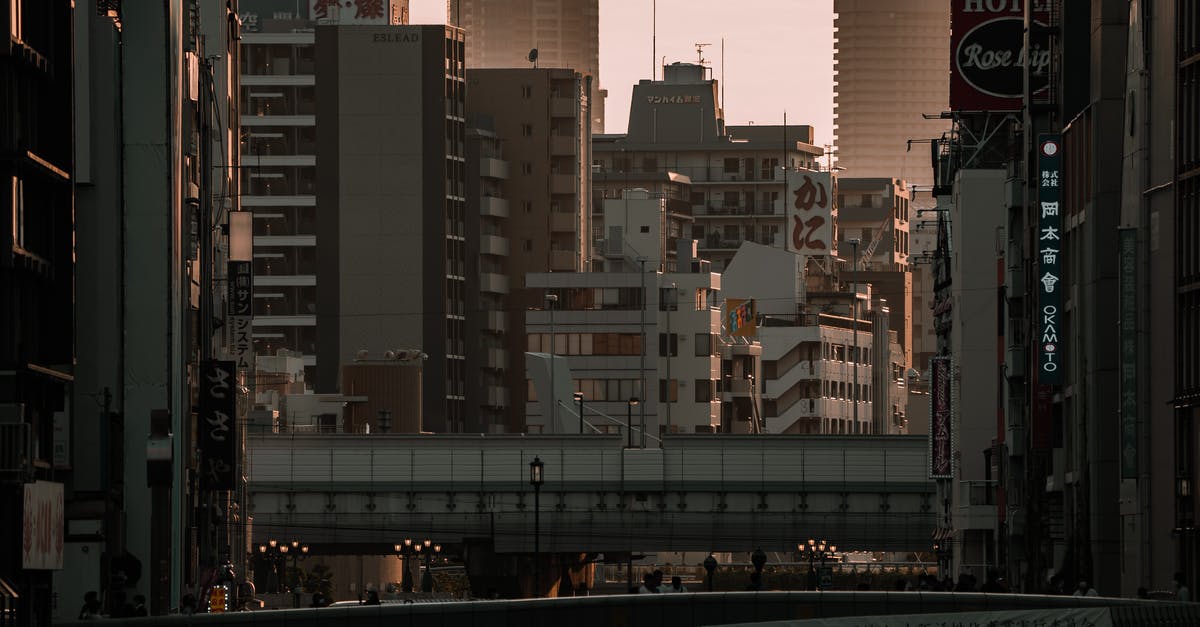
[778,54]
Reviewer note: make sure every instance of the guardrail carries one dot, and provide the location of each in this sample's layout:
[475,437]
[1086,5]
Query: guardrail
[677,610]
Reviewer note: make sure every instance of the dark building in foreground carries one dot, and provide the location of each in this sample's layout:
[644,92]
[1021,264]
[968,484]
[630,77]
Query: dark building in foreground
[37,275]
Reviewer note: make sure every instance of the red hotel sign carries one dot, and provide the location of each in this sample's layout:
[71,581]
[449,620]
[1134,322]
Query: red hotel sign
[987,55]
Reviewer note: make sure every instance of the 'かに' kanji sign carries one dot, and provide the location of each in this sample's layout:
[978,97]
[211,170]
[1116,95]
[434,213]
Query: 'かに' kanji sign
[811,213]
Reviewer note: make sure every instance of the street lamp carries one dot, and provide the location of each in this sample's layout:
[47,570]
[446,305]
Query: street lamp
[427,578]
[552,422]
[629,418]
[854,305]
[579,399]
[277,552]
[816,549]
[536,479]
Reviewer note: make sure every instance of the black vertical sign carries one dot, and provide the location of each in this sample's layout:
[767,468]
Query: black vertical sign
[241,310]
[218,425]
[1049,246]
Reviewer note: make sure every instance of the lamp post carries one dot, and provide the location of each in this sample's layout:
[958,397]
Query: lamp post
[277,553]
[579,399]
[536,478]
[552,422]
[816,549]
[427,578]
[854,306]
[629,418]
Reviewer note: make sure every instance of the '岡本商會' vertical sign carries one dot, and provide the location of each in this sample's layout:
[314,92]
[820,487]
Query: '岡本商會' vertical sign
[1049,248]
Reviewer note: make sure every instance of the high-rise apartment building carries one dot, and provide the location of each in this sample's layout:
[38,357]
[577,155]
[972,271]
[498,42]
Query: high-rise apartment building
[891,64]
[365,251]
[540,117]
[565,33]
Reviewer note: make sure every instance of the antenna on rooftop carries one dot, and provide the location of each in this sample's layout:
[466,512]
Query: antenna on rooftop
[700,53]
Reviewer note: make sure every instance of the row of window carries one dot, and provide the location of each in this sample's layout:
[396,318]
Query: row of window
[586,343]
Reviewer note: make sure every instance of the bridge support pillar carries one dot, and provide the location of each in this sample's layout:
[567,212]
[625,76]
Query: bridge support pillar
[510,575]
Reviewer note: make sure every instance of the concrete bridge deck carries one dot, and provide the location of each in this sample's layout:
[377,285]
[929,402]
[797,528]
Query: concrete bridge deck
[696,493]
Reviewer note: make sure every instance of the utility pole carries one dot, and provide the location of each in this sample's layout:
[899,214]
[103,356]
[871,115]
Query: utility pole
[854,306]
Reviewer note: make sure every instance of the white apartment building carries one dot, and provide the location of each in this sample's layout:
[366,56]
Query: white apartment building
[651,335]
[822,371]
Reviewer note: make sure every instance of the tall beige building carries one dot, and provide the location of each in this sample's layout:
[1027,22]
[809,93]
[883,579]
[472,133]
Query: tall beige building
[891,64]
[566,34]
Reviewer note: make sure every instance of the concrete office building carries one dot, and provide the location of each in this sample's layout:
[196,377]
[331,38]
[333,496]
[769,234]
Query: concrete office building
[566,34]
[695,381]
[676,125]
[539,118]
[876,213]
[346,251]
[891,64]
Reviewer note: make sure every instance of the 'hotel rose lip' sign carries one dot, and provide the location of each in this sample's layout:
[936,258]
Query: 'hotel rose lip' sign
[987,44]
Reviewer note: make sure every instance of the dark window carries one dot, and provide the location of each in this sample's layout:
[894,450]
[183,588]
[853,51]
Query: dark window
[649,164]
[703,344]
[731,165]
[668,344]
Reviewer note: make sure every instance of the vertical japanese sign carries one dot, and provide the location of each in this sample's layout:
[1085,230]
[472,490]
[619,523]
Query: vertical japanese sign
[241,309]
[940,425]
[218,425]
[811,213]
[1129,379]
[1049,245]
[42,528]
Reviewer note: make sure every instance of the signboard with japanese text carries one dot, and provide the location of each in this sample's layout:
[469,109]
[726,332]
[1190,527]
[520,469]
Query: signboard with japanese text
[217,425]
[1049,248]
[988,57]
[241,309]
[740,318]
[1129,353]
[358,11]
[42,529]
[941,448]
[811,213]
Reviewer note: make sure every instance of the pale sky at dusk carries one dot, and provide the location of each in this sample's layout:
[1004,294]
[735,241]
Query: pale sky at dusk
[778,54]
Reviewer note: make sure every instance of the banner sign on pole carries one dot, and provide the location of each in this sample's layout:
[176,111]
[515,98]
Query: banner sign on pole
[941,448]
[218,425]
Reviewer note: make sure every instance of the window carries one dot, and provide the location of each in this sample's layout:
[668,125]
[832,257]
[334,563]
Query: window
[704,344]
[697,198]
[528,206]
[731,233]
[649,164]
[528,245]
[644,229]
[698,231]
[731,165]
[526,91]
[668,390]
[769,166]
[668,299]
[527,130]
[668,344]
[526,167]
[705,390]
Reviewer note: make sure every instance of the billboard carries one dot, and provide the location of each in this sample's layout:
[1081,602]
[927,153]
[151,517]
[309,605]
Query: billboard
[941,447]
[740,318]
[218,425]
[241,309]
[1049,244]
[987,54]
[811,213]
[358,11]
[42,530]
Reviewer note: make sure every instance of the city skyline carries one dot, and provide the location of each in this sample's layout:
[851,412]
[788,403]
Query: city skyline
[626,55]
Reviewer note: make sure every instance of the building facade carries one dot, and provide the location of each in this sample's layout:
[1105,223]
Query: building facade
[540,116]
[890,67]
[564,33]
[738,184]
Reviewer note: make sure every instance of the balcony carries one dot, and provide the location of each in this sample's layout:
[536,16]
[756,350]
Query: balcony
[494,206]
[493,245]
[493,168]
[494,321]
[563,146]
[562,184]
[562,222]
[563,108]
[563,261]
[494,283]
